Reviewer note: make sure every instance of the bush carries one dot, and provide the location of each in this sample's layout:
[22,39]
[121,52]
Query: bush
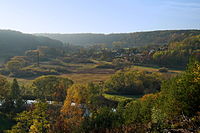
[106,66]
[163,70]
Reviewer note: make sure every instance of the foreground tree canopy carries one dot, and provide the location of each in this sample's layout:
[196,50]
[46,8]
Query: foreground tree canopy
[175,107]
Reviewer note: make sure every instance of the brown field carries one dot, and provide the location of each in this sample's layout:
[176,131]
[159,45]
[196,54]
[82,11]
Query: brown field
[21,81]
[87,77]
[84,73]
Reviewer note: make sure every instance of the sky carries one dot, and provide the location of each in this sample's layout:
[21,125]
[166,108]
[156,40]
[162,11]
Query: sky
[98,16]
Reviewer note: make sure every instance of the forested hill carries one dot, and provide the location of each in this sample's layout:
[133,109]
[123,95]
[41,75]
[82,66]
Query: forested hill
[16,43]
[124,39]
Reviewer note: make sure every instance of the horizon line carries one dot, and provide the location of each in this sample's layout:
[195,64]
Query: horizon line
[178,29]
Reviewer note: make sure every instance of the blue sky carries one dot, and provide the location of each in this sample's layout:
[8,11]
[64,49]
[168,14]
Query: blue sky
[98,16]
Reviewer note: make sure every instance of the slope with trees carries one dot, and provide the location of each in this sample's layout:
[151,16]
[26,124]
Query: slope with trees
[14,43]
[122,40]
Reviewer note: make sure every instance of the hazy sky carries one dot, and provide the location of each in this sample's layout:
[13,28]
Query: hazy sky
[99,16]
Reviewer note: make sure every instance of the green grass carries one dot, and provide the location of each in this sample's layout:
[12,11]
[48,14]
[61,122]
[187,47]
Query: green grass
[101,62]
[153,69]
[121,97]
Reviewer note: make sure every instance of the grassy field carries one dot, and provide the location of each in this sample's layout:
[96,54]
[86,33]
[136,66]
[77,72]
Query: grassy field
[153,69]
[121,97]
[84,73]
[22,81]
[87,77]
[76,77]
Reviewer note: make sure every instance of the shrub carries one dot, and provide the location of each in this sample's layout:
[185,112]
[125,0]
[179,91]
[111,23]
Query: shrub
[163,70]
[106,66]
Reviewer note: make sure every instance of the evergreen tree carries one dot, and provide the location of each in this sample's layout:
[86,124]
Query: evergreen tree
[15,96]
[15,90]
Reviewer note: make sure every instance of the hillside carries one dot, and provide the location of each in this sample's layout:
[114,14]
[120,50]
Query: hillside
[16,43]
[124,39]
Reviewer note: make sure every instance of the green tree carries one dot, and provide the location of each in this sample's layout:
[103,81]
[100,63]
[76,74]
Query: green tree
[33,121]
[180,95]
[51,86]
[6,103]
[132,112]
[132,83]
[4,88]
[15,90]
[101,120]
[15,96]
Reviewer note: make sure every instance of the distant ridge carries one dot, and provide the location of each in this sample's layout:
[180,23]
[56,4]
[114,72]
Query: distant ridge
[16,43]
[160,37]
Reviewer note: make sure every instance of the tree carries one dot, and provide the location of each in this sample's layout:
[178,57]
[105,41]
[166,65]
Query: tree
[93,93]
[80,100]
[72,113]
[33,121]
[15,96]
[101,120]
[6,103]
[4,88]
[132,112]
[132,83]
[15,90]
[180,95]
[51,86]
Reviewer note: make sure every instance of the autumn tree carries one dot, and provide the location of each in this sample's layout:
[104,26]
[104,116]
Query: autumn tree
[72,110]
[35,120]
[80,100]
[51,86]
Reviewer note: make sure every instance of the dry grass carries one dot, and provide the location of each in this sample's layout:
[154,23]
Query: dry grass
[87,77]
[84,73]
[21,81]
